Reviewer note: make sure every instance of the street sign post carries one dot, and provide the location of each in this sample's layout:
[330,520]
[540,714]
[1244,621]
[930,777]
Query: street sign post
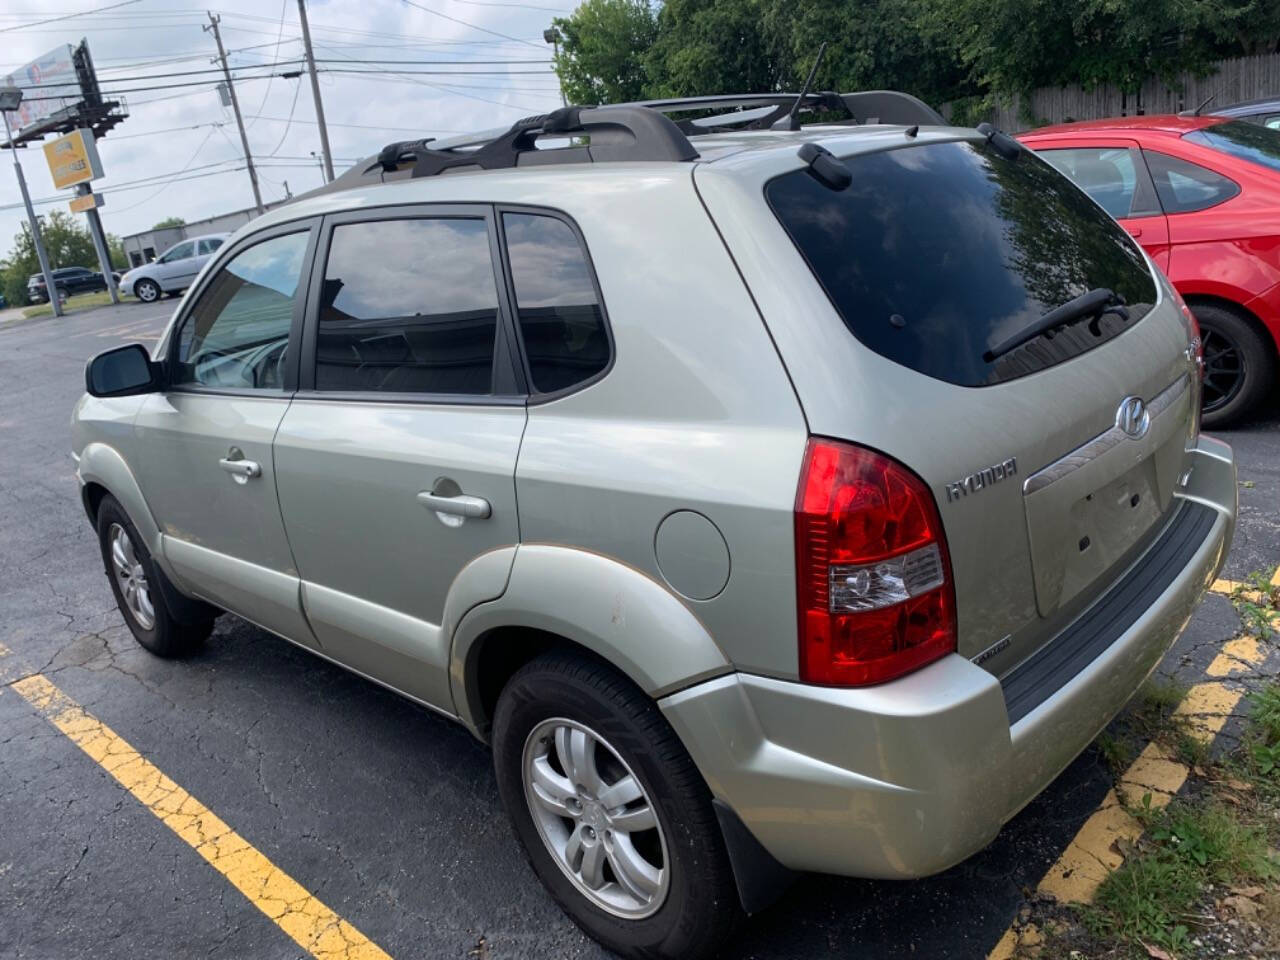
[73,162]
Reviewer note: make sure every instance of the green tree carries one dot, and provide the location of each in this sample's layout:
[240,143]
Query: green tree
[115,250]
[601,58]
[871,44]
[170,222]
[713,46]
[1252,27]
[67,243]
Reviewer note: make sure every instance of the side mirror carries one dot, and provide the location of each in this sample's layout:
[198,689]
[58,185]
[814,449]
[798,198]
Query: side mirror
[122,372]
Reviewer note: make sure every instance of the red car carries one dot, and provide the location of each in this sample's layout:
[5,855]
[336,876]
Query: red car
[1202,197]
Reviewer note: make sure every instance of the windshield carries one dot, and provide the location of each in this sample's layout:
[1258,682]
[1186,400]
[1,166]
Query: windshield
[1249,141]
[938,252]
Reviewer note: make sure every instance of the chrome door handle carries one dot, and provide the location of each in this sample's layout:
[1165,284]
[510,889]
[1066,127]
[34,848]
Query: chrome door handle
[241,469]
[476,508]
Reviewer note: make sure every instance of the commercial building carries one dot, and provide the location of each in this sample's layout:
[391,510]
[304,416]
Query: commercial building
[144,247]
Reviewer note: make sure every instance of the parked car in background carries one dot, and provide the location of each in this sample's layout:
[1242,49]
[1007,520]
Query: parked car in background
[814,520]
[173,271]
[68,280]
[1265,112]
[1202,196]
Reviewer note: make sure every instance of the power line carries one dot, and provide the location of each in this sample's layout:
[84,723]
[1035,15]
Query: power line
[168,183]
[437,13]
[284,7]
[176,73]
[152,133]
[66,16]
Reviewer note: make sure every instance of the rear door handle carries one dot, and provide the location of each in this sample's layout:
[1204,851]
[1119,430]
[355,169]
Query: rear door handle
[476,508]
[1135,231]
[242,470]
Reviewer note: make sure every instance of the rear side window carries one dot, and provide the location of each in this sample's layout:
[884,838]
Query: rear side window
[556,305]
[938,252]
[182,251]
[1106,174]
[1185,187]
[408,306]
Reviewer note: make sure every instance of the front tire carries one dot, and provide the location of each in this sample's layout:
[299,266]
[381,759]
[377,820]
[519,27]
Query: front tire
[1239,365]
[136,584]
[148,291]
[612,813]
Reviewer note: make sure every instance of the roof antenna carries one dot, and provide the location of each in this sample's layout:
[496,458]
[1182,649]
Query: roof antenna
[1204,103]
[792,120]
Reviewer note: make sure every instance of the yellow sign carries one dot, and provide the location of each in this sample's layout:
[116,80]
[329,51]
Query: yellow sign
[85,202]
[73,159]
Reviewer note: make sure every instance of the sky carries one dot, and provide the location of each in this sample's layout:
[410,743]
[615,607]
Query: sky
[179,154]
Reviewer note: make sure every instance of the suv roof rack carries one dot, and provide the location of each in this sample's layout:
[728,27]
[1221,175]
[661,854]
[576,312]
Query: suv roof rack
[627,131]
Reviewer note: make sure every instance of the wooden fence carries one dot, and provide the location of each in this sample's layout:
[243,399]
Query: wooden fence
[1246,78]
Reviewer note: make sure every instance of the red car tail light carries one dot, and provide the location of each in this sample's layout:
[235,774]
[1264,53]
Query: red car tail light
[873,579]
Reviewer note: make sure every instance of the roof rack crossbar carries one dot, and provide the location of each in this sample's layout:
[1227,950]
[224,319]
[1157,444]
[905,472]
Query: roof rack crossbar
[625,132]
[616,133]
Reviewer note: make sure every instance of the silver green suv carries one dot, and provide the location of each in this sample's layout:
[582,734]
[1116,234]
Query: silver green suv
[771,498]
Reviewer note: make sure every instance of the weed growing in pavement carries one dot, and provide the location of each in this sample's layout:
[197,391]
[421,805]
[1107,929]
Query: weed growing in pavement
[1157,700]
[1257,600]
[1264,713]
[1118,752]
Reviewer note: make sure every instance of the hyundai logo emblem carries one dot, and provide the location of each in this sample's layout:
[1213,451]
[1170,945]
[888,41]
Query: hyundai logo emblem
[1133,418]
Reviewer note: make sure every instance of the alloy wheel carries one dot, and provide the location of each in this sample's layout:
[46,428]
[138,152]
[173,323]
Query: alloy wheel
[131,577]
[1223,369]
[596,818]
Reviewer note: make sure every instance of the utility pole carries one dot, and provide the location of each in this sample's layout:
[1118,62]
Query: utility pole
[235,107]
[552,36]
[315,93]
[10,99]
[100,243]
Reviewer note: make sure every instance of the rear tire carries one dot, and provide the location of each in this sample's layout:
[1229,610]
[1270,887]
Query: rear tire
[1239,364]
[136,584]
[687,907]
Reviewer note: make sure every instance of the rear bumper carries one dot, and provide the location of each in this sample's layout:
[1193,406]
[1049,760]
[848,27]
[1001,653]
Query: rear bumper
[910,777]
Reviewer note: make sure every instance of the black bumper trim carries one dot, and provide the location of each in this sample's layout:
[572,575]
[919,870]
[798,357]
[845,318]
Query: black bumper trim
[1051,667]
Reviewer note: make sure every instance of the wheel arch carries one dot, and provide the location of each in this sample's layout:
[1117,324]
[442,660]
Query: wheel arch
[1234,306]
[568,599]
[104,471]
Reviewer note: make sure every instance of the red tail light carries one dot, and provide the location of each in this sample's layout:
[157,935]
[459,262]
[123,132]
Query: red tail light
[873,578]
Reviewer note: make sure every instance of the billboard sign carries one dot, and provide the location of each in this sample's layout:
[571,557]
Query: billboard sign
[73,159]
[52,86]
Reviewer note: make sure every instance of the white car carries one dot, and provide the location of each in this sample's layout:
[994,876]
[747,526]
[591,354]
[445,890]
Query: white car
[174,270]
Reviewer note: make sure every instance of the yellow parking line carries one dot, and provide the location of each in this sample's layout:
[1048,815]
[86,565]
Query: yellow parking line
[1097,848]
[1094,852]
[1226,587]
[1237,656]
[1275,577]
[311,924]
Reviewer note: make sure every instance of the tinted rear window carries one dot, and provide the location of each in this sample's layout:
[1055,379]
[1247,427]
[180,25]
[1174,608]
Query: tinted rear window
[938,252]
[1249,141]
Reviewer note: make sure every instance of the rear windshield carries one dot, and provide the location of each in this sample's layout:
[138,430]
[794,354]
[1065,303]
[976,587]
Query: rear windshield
[1249,141]
[938,252]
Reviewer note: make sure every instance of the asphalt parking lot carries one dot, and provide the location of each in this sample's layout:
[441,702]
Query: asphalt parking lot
[385,812]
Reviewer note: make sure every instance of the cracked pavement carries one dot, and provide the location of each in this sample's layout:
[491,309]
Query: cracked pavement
[385,813]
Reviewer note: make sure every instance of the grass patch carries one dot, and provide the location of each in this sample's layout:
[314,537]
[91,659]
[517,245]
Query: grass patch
[81,301]
[1189,844]
[1220,837]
